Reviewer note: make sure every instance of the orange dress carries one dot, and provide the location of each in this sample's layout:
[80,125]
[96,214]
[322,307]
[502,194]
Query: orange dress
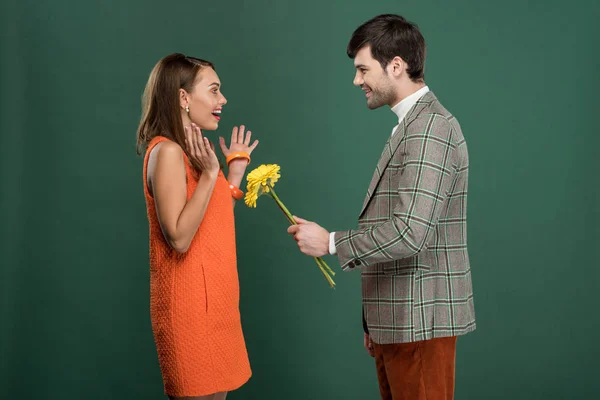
[194,299]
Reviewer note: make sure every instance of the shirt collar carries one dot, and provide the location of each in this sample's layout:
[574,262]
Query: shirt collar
[406,104]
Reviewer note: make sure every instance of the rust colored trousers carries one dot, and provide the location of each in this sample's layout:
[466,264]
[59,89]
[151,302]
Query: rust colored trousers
[416,371]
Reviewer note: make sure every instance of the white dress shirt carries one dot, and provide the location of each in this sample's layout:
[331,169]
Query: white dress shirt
[400,109]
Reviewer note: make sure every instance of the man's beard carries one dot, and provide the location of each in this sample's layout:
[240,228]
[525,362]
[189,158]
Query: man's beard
[382,96]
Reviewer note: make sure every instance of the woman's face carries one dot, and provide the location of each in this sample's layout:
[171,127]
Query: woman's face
[205,101]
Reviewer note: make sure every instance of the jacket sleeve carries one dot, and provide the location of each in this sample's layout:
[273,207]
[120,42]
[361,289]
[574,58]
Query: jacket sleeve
[426,174]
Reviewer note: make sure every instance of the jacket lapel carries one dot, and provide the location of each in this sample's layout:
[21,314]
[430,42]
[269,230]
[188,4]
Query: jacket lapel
[392,144]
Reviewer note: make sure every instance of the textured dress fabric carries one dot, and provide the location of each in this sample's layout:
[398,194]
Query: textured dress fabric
[194,298]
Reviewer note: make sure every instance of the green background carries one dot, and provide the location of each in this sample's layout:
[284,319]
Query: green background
[74,280]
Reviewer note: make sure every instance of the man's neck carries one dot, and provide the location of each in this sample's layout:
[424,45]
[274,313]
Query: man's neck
[406,90]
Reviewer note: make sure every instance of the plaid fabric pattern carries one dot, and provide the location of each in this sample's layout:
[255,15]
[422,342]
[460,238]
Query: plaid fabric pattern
[411,241]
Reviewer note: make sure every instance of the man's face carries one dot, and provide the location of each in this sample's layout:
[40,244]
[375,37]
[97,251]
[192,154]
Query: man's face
[373,80]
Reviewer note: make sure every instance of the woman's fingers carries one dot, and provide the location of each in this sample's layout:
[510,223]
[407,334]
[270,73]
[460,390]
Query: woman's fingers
[224,148]
[188,141]
[253,146]
[195,150]
[234,135]
[240,138]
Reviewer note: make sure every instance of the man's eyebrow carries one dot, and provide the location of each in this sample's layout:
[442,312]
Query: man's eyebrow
[215,83]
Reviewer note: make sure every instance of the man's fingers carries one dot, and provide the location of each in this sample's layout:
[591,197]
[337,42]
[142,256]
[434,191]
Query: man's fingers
[301,220]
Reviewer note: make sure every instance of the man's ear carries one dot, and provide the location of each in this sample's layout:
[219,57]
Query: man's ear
[397,67]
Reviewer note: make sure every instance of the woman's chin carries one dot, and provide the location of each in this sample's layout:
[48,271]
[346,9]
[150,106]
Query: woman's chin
[212,126]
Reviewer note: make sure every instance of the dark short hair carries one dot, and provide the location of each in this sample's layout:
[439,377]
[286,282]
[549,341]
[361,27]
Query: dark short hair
[391,35]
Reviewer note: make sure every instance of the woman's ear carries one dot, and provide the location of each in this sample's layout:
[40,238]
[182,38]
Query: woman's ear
[183,98]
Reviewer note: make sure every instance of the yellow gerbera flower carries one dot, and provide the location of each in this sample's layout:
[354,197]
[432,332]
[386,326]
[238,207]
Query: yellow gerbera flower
[260,181]
[251,196]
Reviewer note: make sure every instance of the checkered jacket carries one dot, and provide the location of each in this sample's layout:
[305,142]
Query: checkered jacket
[411,241]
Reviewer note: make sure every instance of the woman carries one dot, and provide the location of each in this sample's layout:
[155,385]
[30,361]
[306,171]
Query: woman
[194,291]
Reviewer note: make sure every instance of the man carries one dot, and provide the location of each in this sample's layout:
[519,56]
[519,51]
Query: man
[411,241]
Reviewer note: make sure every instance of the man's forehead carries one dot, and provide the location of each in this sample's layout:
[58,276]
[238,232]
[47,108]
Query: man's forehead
[363,56]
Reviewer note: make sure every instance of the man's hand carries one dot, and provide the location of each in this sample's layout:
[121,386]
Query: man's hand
[312,239]
[369,345]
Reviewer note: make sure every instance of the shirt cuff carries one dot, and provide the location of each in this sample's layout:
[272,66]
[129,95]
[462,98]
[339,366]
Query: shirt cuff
[332,250]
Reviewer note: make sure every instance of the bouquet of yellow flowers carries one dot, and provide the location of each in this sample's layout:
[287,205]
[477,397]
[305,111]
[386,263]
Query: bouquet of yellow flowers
[262,181]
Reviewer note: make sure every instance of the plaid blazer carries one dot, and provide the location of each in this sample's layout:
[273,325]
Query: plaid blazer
[411,241]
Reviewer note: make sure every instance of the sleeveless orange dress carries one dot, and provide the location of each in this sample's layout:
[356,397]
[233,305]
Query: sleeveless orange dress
[194,299]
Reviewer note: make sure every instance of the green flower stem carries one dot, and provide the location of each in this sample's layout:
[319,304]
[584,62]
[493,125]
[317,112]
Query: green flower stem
[325,273]
[282,206]
[320,262]
[326,270]
[290,219]
[327,277]
[326,266]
